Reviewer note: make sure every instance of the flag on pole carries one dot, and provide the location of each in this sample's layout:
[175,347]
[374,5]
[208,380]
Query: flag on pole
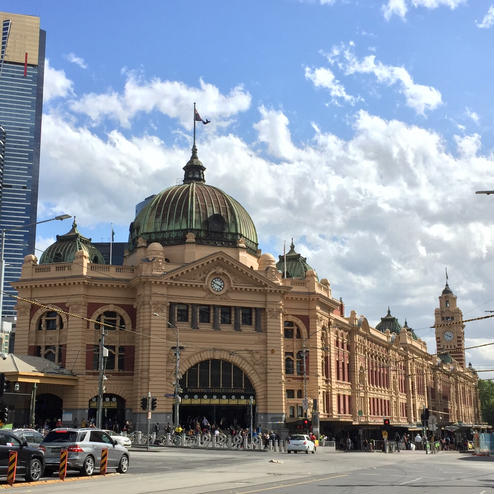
[112,235]
[198,118]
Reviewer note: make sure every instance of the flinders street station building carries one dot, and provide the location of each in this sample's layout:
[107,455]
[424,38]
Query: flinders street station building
[195,299]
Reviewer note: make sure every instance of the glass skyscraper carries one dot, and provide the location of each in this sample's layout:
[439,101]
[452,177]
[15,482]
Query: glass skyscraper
[22,58]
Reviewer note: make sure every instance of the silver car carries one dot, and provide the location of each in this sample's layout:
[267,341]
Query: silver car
[84,448]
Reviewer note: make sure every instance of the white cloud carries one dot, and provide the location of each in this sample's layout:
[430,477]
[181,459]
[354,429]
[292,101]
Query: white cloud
[468,146]
[488,19]
[56,83]
[472,115]
[323,77]
[419,97]
[400,7]
[172,98]
[73,58]
[273,130]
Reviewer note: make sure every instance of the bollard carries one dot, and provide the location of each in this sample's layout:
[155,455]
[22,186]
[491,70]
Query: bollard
[270,445]
[62,467]
[12,467]
[168,440]
[246,442]
[139,437]
[104,461]
[182,440]
[214,441]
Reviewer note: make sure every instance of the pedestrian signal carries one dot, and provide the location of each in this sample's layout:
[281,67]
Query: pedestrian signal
[386,421]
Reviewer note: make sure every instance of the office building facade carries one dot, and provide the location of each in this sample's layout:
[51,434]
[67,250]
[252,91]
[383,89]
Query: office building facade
[22,55]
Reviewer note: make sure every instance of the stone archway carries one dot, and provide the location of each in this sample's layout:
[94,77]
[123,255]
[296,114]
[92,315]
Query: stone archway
[113,411]
[216,392]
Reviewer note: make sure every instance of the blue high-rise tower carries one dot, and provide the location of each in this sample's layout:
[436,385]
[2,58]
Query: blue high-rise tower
[22,58]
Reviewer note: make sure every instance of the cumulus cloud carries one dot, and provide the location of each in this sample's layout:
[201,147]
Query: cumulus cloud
[56,83]
[324,77]
[400,7]
[488,19]
[419,97]
[379,213]
[171,98]
[73,58]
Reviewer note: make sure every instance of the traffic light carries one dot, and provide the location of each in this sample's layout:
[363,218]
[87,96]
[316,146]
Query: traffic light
[154,403]
[4,414]
[386,421]
[3,384]
[144,403]
[425,416]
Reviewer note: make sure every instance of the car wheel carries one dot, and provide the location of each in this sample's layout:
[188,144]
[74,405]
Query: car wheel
[306,451]
[88,466]
[295,451]
[34,470]
[314,451]
[123,466]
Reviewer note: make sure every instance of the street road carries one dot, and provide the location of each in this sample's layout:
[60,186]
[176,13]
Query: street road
[227,472]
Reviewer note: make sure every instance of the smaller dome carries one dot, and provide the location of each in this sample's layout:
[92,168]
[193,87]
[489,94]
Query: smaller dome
[445,358]
[296,265]
[410,330]
[266,261]
[389,322]
[66,247]
[155,248]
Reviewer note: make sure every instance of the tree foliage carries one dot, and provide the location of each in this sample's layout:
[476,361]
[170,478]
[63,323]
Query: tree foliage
[486,394]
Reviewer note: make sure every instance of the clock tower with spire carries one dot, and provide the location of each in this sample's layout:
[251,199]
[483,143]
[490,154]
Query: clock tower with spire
[450,335]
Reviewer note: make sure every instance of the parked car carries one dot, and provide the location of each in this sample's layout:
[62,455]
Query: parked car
[300,442]
[32,436]
[122,440]
[84,450]
[30,461]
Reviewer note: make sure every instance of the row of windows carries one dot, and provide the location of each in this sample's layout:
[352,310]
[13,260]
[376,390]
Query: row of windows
[379,406]
[205,314]
[54,353]
[299,410]
[290,393]
[290,330]
[344,404]
[120,358]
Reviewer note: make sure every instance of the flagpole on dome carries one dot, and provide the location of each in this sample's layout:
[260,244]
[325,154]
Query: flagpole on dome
[194,118]
[112,237]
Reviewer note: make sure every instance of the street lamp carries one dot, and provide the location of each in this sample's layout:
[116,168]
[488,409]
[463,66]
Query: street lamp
[2,254]
[177,390]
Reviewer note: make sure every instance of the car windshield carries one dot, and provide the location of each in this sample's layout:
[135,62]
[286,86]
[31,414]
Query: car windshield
[61,436]
[298,438]
[31,437]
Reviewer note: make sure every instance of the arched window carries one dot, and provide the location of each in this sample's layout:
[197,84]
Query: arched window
[111,319]
[50,321]
[289,365]
[49,353]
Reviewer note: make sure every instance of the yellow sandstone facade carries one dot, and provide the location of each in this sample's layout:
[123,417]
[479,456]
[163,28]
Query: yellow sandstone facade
[254,333]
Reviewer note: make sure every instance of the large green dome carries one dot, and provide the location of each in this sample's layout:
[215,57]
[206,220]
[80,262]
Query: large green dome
[212,216]
[66,246]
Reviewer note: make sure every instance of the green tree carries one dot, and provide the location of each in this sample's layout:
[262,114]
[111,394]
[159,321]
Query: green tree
[486,394]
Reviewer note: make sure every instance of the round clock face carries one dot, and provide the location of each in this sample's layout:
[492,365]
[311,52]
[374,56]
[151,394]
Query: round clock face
[448,335]
[217,284]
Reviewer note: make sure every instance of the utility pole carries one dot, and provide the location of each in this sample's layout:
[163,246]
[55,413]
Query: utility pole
[305,404]
[148,411]
[176,393]
[101,378]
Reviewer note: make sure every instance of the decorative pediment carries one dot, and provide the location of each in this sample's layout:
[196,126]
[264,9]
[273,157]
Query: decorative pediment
[236,274]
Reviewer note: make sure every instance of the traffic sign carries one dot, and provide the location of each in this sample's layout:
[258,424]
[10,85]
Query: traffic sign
[169,395]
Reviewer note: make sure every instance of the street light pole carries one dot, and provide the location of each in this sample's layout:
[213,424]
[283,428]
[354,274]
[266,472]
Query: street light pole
[2,255]
[101,378]
[177,398]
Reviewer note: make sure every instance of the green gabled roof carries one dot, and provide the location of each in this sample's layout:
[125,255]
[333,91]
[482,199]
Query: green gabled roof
[389,322]
[296,265]
[66,246]
[214,217]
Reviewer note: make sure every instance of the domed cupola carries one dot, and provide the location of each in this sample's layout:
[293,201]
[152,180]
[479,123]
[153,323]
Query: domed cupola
[66,246]
[389,322]
[296,265]
[212,216]
[410,330]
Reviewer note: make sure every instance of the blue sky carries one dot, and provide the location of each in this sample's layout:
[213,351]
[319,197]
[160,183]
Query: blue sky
[360,128]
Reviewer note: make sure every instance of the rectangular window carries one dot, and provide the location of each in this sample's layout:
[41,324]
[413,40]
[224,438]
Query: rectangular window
[226,374]
[121,358]
[292,412]
[225,315]
[237,378]
[300,411]
[215,373]
[204,314]
[290,393]
[246,314]
[182,312]
[204,374]
[192,374]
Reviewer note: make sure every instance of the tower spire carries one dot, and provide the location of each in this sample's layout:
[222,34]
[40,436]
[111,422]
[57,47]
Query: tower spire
[194,169]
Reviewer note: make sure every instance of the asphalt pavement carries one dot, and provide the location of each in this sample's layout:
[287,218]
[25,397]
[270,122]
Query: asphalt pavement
[244,472]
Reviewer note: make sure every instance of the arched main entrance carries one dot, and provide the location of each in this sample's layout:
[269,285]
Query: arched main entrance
[49,409]
[113,411]
[218,391]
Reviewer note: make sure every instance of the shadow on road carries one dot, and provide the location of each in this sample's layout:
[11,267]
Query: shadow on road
[477,458]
